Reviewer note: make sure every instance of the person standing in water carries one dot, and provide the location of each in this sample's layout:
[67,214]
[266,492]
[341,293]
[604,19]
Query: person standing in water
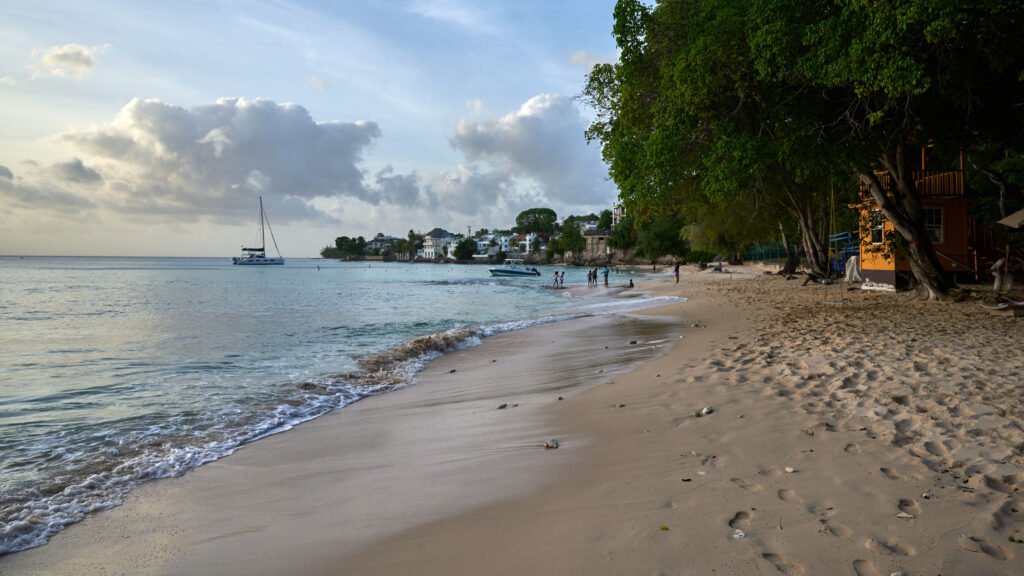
[605,276]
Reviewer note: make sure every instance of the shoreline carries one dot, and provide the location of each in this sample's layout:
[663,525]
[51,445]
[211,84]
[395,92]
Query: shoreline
[852,432]
[434,428]
[869,436]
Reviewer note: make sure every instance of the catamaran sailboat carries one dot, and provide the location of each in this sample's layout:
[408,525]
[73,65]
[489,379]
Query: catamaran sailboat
[258,256]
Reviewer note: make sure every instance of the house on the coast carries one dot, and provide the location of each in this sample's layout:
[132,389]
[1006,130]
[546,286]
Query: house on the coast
[434,244]
[965,248]
[380,241]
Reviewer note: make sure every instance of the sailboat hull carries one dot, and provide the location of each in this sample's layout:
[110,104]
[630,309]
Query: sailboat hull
[243,261]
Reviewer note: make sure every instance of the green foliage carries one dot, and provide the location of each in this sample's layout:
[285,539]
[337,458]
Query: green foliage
[772,104]
[624,236]
[604,222]
[689,126]
[661,237]
[465,249]
[346,248]
[536,220]
[572,239]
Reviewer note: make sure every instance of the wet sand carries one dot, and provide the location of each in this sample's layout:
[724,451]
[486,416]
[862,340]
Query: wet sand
[292,502]
[851,433]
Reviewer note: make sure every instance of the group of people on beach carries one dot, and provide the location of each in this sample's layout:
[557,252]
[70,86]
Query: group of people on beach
[559,280]
[592,276]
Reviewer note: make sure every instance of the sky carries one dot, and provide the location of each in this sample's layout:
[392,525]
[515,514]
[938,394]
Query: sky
[144,128]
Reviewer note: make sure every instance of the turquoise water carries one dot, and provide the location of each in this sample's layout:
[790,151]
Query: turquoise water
[120,370]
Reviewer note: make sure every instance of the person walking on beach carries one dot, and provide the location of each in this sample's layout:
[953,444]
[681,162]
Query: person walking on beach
[677,272]
[605,276]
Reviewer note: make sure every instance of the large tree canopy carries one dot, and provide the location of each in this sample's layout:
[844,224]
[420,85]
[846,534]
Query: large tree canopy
[687,126]
[775,104]
[536,220]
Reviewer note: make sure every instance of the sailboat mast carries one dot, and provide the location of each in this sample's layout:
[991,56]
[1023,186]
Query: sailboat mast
[263,243]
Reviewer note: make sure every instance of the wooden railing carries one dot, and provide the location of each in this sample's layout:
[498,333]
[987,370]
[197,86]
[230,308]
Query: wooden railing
[930,183]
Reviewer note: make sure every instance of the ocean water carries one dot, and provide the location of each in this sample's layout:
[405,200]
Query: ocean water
[115,371]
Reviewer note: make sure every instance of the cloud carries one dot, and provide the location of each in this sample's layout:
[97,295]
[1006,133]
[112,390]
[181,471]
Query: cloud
[542,141]
[317,83]
[469,18]
[75,171]
[164,162]
[159,158]
[400,189]
[46,188]
[586,60]
[67,60]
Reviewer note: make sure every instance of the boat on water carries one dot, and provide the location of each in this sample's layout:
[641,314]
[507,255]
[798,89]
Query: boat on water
[258,256]
[514,267]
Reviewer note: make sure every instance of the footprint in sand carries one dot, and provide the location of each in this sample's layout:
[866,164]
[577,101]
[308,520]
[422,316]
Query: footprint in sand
[1005,484]
[891,474]
[784,565]
[983,546]
[1007,514]
[746,485]
[936,449]
[865,568]
[787,495]
[834,529]
[910,506]
[852,449]
[741,520]
[892,547]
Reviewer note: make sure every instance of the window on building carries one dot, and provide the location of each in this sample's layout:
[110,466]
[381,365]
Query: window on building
[933,224]
[877,237]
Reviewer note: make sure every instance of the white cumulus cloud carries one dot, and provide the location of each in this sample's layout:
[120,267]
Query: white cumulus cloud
[157,157]
[544,142]
[67,60]
[209,163]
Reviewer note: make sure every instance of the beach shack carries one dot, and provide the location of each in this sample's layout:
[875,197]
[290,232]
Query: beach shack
[964,247]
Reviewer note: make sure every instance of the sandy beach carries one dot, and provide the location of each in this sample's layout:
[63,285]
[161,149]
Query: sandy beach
[849,432]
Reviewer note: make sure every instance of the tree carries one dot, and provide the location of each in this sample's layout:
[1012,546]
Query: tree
[554,248]
[572,241]
[604,222]
[895,76]
[661,237]
[624,236]
[689,128]
[465,249]
[780,100]
[536,220]
[347,248]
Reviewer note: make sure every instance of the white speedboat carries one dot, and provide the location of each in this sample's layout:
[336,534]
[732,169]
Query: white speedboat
[258,256]
[514,267]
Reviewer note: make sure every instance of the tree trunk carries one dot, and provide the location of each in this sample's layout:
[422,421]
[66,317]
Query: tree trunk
[901,206]
[812,228]
[792,254]
[810,236]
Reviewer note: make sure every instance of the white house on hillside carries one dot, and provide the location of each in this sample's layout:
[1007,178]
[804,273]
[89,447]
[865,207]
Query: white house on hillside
[434,244]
